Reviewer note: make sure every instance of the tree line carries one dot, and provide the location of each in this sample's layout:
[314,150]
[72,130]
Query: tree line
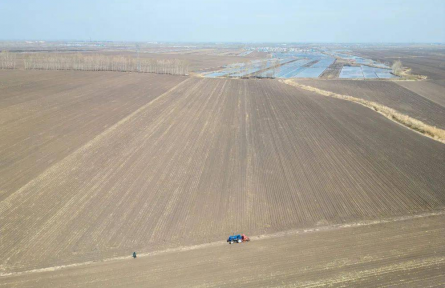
[105,63]
[82,62]
[8,60]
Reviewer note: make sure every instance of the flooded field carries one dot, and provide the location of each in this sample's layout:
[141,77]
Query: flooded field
[310,64]
[365,72]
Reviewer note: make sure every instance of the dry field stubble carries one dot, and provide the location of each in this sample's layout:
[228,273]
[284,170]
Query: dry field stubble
[208,157]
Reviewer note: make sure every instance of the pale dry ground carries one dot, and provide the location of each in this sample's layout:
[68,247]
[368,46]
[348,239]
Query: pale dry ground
[408,253]
[209,157]
[392,94]
[46,115]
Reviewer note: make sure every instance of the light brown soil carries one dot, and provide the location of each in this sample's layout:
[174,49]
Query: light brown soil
[406,254]
[46,115]
[149,162]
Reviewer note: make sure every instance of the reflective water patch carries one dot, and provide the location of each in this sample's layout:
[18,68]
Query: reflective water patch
[351,72]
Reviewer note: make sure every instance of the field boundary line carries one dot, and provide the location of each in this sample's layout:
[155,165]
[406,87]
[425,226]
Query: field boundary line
[221,243]
[390,113]
[6,203]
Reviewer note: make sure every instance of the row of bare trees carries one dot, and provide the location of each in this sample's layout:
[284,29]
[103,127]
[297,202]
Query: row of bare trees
[8,60]
[105,63]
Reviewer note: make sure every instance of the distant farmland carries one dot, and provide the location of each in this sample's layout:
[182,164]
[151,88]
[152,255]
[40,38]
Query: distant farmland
[96,164]
[307,64]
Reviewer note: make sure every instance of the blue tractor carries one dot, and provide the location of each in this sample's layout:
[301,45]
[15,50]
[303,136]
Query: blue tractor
[238,238]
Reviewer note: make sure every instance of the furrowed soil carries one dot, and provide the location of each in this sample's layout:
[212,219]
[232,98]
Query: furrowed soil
[46,115]
[408,253]
[433,90]
[105,164]
[392,94]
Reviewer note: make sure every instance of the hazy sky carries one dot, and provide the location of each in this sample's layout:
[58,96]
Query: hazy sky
[224,20]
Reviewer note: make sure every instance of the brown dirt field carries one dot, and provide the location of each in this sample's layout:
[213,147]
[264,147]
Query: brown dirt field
[387,93]
[433,90]
[426,61]
[209,157]
[46,115]
[408,253]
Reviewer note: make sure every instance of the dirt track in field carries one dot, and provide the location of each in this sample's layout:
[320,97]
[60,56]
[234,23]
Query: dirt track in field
[402,253]
[195,156]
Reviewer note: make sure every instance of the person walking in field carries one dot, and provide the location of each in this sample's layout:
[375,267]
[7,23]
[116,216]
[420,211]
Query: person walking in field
[134,255]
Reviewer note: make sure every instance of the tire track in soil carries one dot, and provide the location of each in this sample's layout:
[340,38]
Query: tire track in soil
[253,238]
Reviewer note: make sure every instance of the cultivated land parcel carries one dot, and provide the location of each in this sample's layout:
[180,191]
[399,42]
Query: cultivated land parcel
[96,165]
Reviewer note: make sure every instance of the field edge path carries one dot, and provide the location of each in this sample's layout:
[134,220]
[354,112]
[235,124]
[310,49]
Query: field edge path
[291,232]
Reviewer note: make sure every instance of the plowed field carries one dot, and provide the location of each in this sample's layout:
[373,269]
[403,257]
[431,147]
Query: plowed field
[46,115]
[433,90]
[98,165]
[393,95]
[409,253]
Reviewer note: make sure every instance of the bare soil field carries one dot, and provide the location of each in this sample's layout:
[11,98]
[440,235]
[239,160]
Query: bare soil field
[407,253]
[433,90]
[422,60]
[46,115]
[139,162]
[391,94]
